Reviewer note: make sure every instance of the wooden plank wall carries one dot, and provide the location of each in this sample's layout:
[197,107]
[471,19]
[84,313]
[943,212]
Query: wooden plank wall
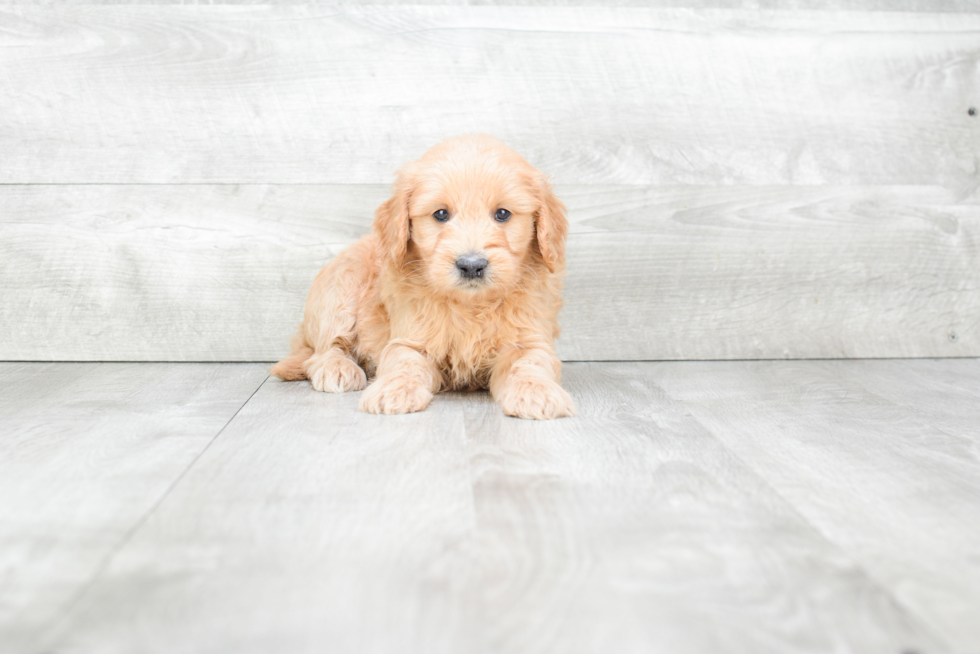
[743,182]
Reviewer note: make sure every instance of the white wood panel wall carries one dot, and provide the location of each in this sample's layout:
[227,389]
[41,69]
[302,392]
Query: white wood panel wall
[742,183]
[121,94]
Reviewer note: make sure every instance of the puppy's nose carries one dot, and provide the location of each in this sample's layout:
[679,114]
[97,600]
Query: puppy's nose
[471,266]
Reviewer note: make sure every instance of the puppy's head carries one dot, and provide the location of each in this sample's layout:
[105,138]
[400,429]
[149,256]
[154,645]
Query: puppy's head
[472,216]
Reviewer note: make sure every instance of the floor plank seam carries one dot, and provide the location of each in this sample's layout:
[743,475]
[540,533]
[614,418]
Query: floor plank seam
[872,579]
[104,564]
[916,413]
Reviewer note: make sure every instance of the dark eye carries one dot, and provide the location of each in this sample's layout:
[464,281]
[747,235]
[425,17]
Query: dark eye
[501,216]
[442,215]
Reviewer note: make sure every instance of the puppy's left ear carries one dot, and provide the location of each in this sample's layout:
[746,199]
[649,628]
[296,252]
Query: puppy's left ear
[551,226]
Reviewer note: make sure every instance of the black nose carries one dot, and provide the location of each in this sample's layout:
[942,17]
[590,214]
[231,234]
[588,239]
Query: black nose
[471,266]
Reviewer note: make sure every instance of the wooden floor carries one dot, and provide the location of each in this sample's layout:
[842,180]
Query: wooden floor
[709,507]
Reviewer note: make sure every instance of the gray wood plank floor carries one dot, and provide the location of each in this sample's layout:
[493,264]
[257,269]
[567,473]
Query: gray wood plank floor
[86,452]
[691,507]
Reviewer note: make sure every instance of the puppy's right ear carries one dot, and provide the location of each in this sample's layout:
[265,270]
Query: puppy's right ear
[391,223]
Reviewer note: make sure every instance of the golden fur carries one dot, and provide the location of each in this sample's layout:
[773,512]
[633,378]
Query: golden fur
[395,305]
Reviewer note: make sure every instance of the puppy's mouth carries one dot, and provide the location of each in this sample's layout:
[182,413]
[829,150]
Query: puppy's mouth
[473,283]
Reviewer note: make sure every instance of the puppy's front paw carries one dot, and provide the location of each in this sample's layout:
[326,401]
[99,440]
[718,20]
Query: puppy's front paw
[334,372]
[536,399]
[394,396]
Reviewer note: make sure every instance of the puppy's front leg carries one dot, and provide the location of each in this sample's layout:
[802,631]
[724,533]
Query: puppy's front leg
[405,382]
[525,384]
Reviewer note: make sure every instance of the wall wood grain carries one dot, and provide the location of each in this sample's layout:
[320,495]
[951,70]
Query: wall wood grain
[743,183]
[221,272]
[291,94]
[928,6]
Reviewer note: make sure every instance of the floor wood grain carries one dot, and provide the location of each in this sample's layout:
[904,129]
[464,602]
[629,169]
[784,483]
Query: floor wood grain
[801,506]
[216,272]
[305,527]
[632,529]
[86,451]
[874,455]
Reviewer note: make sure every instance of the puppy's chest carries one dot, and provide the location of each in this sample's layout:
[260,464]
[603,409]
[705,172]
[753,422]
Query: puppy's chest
[464,345]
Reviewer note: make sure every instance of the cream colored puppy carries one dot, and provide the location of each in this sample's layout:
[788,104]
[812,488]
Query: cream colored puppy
[457,287]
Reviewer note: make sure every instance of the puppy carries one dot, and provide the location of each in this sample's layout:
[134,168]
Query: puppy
[457,287]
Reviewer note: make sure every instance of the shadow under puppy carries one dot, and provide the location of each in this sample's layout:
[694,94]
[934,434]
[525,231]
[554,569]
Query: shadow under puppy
[457,287]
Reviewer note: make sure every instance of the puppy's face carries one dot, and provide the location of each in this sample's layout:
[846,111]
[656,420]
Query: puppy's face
[472,217]
[472,227]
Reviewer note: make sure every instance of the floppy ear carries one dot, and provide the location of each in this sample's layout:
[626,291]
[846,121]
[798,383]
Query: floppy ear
[552,227]
[391,223]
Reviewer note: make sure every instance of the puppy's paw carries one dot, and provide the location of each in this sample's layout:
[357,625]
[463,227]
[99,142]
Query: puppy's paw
[535,399]
[394,396]
[334,372]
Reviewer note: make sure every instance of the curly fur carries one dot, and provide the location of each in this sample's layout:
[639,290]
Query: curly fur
[394,305]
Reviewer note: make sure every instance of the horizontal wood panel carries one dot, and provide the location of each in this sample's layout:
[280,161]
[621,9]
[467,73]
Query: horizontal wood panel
[929,6]
[592,95]
[221,272]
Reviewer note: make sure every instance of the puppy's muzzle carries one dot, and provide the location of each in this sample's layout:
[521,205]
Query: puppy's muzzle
[471,266]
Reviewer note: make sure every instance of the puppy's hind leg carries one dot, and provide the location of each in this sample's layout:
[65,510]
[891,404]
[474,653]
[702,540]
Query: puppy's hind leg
[321,349]
[330,325]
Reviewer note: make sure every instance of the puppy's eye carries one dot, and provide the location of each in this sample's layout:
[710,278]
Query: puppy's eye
[501,216]
[442,215]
